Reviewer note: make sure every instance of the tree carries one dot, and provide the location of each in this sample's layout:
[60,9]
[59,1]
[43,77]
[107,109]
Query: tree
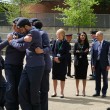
[22,4]
[1,8]
[78,13]
[16,8]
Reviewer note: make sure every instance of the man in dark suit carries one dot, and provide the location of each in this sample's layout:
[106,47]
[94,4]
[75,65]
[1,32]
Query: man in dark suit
[101,63]
[69,38]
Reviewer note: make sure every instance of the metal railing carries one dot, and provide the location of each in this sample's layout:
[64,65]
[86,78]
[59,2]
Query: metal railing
[49,20]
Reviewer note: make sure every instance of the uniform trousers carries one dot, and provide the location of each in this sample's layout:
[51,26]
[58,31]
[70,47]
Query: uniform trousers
[13,74]
[44,90]
[29,88]
[69,68]
[2,89]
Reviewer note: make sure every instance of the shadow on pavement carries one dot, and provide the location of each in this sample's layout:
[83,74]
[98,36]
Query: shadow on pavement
[84,100]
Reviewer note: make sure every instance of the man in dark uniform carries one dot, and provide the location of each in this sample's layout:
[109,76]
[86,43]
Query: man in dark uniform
[13,68]
[2,79]
[93,36]
[30,81]
[69,38]
[48,63]
[52,42]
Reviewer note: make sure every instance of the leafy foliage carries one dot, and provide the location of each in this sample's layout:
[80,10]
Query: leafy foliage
[77,13]
[1,7]
[24,1]
[16,8]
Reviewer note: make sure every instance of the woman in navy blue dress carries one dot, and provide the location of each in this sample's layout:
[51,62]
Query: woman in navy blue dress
[60,52]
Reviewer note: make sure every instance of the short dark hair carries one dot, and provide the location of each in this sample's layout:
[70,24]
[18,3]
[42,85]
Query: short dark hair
[38,24]
[22,22]
[16,20]
[93,32]
[32,20]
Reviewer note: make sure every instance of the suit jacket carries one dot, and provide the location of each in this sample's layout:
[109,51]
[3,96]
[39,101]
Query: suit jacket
[81,53]
[61,48]
[104,55]
[63,51]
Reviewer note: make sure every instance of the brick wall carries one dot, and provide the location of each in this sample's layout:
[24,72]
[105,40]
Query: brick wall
[45,6]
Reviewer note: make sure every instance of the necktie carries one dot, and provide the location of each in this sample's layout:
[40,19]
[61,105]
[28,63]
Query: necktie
[99,51]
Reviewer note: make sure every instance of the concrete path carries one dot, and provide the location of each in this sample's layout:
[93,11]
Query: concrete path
[72,102]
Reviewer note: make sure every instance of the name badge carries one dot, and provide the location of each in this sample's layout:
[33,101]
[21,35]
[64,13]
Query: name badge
[58,55]
[80,56]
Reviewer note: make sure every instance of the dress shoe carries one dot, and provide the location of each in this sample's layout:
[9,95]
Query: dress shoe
[95,95]
[54,95]
[70,76]
[1,108]
[108,108]
[104,95]
[65,77]
[77,93]
[92,78]
[62,96]
[83,93]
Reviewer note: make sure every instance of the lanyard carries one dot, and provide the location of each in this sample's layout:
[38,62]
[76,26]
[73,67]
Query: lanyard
[81,46]
[60,46]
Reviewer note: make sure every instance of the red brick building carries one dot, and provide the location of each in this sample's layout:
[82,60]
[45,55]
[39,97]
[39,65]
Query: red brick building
[46,6]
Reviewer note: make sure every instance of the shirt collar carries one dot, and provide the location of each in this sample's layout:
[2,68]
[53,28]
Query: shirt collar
[101,42]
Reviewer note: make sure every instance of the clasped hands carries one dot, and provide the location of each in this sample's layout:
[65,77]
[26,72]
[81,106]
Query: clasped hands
[78,51]
[56,59]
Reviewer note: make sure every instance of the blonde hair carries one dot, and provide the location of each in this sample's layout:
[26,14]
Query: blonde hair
[61,31]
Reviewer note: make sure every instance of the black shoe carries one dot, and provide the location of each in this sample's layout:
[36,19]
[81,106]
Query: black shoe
[62,96]
[104,95]
[92,78]
[108,108]
[54,95]
[95,95]
[65,77]
[91,75]
[1,108]
[70,76]
[77,93]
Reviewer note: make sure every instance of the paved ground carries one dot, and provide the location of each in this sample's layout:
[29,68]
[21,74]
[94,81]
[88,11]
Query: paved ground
[72,102]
